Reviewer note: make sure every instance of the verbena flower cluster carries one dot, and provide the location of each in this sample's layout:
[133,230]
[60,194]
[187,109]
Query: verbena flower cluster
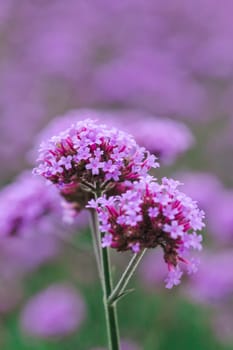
[88,157]
[163,137]
[102,168]
[150,215]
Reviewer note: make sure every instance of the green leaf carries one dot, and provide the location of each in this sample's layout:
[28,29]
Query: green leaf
[122,295]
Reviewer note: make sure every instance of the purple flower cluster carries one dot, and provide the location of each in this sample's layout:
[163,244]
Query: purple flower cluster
[18,255]
[135,211]
[214,282]
[215,200]
[221,218]
[57,311]
[203,187]
[150,215]
[91,157]
[28,206]
[31,232]
[32,216]
[163,137]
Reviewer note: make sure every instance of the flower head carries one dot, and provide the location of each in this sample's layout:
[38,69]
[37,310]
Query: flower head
[28,206]
[163,137]
[56,311]
[88,156]
[214,282]
[150,215]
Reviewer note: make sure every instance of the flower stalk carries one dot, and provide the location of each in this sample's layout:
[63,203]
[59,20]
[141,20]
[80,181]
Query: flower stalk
[96,239]
[106,281]
[103,169]
[119,290]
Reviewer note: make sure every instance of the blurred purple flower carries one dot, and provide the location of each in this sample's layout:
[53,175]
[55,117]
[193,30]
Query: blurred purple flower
[175,63]
[20,101]
[31,216]
[54,312]
[5,8]
[221,218]
[127,344]
[19,256]
[152,80]
[216,200]
[152,270]
[219,146]
[163,137]
[28,207]
[214,282]
[170,64]
[202,187]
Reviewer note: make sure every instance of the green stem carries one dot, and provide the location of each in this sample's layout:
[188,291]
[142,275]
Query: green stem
[126,276]
[106,279]
[110,310]
[96,240]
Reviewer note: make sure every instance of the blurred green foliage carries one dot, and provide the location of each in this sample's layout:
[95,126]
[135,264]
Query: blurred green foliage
[157,321]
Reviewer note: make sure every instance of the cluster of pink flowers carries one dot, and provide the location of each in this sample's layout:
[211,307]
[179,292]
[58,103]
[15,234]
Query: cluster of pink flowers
[102,168]
[163,137]
[88,157]
[150,215]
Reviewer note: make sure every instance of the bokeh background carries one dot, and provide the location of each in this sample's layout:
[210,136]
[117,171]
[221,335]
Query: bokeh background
[162,71]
